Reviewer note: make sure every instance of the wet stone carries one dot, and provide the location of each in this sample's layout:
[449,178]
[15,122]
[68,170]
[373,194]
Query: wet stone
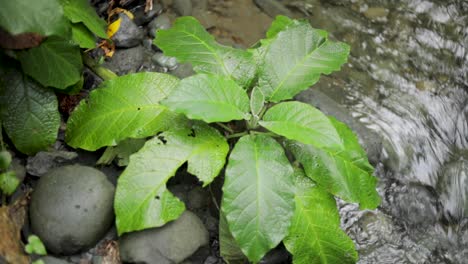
[164,61]
[126,60]
[273,8]
[142,17]
[182,7]
[71,208]
[43,161]
[128,35]
[171,243]
[53,260]
[160,22]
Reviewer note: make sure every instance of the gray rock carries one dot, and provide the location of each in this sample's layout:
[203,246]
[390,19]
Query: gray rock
[43,162]
[169,244]
[273,8]
[182,7]
[371,141]
[141,17]
[197,198]
[182,71]
[71,208]
[128,35]
[160,22]
[453,188]
[126,60]
[376,13]
[200,5]
[53,260]
[164,61]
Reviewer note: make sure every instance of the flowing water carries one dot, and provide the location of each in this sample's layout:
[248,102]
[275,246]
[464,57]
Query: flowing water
[407,83]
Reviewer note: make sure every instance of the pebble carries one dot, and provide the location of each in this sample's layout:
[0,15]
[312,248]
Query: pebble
[71,208]
[376,13]
[141,17]
[128,35]
[164,61]
[160,22]
[171,243]
[126,60]
[273,8]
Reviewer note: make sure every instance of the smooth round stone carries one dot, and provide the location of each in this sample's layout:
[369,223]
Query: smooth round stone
[71,208]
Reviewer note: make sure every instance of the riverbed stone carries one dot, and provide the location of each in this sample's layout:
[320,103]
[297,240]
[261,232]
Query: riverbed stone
[160,22]
[171,243]
[273,8]
[71,208]
[53,260]
[44,161]
[164,61]
[183,7]
[126,60]
[128,35]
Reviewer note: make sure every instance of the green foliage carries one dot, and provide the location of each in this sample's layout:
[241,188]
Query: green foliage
[266,199]
[29,109]
[8,182]
[5,159]
[123,107]
[35,246]
[54,63]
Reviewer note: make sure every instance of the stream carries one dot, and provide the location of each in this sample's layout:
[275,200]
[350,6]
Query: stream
[406,85]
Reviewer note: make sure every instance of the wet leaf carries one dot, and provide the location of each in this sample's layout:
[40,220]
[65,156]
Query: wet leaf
[315,235]
[124,107]
[210,98]
[29,112]
[258,195]
[56,62]
[142,200]
[295,58]
[188,41]
[44,17]
[304,123]
[81,11]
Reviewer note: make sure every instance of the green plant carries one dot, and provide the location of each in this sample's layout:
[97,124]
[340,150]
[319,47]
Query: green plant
[235,100]
[41,41]
[35,246]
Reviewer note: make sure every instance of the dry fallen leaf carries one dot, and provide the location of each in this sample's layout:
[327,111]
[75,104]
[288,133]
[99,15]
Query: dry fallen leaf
[11,221]
[110,252]
[20,41]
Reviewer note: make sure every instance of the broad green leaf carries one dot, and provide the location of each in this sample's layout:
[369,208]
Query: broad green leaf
[8,182]
[56,62]
[279,24]
[338,174]
[228,247]
[35,246]
[124,107]
[257,101]
[210,98]
[44,17]
[188,41]
[258,195]
[142,200]
[29,112]
[295,58]
[304,123]
[82,36]
[80,11]
[5,159]
[315,235]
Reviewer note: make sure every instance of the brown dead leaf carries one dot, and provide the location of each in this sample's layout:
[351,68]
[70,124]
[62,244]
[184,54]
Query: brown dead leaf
[11,221]
[109,250]
[20,41]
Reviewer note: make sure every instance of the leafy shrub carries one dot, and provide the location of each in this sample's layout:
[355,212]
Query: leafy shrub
[41,41]
[238,99]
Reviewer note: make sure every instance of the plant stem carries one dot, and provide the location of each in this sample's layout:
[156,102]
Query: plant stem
[225,127]
[102,72]
[235,135]
[264,133]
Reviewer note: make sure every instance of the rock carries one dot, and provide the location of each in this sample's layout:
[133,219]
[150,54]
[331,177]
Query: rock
[128,35]
[197,198]
[43,162]
[376,13]
[277,255]
[184,70]
[200,5]
[126,60]
[453,188]
[182,7]
[160,22]
[71,208]
[273,8]
[164,61]
[370,140]
[141,17]
[53,260]
[169,244]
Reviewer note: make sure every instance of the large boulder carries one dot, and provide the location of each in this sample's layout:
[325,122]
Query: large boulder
[72,208]
[169,244]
